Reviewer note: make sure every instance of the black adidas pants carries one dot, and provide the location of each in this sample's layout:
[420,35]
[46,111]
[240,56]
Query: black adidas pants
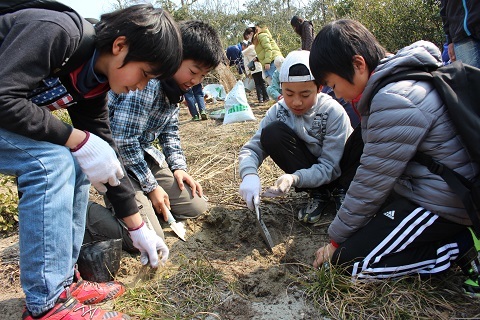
[401,239]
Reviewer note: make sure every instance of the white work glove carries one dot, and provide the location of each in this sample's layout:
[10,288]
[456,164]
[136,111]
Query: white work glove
[281,186]
[250,190]
[99,162]
[148,243]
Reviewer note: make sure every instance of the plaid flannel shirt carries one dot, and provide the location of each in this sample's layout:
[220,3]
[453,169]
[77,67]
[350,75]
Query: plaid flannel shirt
[137,120]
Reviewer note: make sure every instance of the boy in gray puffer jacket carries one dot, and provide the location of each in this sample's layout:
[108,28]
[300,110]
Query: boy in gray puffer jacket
[397,218]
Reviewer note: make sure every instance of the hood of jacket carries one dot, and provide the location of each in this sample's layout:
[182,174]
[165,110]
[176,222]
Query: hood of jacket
[421,54]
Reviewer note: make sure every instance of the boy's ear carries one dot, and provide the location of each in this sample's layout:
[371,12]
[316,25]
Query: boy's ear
[119,45]
[319,88]
[359,63]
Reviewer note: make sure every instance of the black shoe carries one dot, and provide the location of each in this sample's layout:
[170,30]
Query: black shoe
[313,211]
[338,195]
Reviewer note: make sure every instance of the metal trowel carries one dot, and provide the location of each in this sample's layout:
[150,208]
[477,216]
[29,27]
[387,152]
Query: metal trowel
[178,228]
[263,229]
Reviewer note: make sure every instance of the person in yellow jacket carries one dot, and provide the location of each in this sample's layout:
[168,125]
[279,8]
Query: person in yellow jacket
[267,50]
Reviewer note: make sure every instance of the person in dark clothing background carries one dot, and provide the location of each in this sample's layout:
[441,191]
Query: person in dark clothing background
[461,24]
[235,57]
[305,30]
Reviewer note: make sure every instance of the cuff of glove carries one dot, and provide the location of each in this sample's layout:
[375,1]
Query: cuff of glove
[137,228]
[81,144]
[334,244]
[295,180]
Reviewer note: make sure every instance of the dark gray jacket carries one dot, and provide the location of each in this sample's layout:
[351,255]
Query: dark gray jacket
[404,117]
[33,42]
[461,19]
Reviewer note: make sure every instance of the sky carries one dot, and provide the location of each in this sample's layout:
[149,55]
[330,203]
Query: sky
[90,8]
[94,8]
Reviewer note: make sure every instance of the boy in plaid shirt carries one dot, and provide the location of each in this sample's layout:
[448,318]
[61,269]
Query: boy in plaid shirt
[140,118]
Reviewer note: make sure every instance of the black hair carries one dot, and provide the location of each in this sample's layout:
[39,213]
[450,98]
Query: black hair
[296,23]
[335,46]
[151,34]
[247,32]
[201,43]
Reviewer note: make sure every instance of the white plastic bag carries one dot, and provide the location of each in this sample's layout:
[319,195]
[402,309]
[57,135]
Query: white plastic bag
[237,108]
[249,84]
[217,114]
[217,91]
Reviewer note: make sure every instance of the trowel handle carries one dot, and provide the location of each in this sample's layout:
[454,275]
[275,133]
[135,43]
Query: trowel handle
[170,218]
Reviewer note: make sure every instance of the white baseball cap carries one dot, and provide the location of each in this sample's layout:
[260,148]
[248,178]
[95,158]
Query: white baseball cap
[294,58]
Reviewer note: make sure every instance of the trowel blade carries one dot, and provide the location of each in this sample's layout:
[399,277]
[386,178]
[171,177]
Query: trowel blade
[263,229]
[177,227]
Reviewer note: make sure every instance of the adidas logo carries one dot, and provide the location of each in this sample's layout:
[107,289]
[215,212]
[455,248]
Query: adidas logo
[389,214]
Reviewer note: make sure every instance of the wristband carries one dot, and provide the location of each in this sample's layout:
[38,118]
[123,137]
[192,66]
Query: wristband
[333,243]
[135,229]
[81,144]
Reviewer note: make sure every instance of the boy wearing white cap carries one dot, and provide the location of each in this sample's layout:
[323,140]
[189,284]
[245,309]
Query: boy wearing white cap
[304,133]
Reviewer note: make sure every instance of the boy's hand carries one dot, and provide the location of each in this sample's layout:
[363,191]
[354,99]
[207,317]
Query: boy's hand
[250,190]
[160,201]
[323,254]
[148,243]
[282,186]
[99,162]
[182,176]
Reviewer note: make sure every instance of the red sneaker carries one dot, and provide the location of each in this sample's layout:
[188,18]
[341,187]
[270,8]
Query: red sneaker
[88,292]
[68,308]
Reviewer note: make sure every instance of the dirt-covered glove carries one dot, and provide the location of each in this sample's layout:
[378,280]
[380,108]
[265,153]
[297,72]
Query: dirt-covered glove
[149,243]
[99,162]
[250,190]
[281,186]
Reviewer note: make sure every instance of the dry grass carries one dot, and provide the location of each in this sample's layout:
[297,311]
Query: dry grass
[339,297]
[189,290]
[224,267]
[201,286]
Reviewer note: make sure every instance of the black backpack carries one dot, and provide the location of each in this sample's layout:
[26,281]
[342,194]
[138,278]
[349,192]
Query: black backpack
[459,87]
[86,46]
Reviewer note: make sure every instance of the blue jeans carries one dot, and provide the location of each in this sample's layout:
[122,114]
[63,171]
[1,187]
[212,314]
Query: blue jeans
[468,51]
[194,98]
[269,72]
[52,212]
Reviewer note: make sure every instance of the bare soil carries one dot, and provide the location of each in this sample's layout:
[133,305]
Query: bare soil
[226,235]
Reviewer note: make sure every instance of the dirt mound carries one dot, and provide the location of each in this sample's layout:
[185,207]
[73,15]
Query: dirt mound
[226,236]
